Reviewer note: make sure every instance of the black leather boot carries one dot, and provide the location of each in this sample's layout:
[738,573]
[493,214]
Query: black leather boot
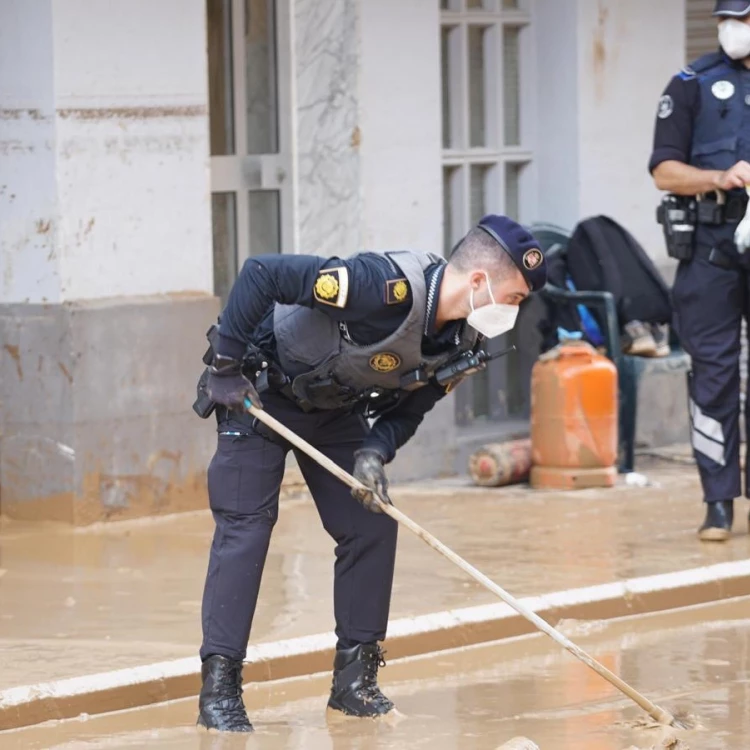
[220,703]
[355,688]
[717,526]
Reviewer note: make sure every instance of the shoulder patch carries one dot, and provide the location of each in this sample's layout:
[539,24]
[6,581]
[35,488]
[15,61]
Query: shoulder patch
[332,286]
[666,107]
[397,291]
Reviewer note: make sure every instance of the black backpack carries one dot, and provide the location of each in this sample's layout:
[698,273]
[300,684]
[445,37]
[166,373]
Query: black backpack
[603,256]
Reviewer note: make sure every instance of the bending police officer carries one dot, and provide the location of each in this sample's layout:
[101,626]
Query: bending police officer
[701,154]
[332,341]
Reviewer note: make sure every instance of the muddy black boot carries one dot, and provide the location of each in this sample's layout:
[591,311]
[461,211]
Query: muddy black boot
[355,688]
[220,703]
[718,524]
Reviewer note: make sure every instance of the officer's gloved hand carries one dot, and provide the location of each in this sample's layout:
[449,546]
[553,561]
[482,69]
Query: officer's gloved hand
[370,470]
[228,386]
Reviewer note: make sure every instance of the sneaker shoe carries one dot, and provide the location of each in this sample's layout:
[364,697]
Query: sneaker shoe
[661,339]
[638,340]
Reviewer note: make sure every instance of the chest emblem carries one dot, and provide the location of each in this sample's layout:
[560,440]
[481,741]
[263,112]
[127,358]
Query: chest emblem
[396,291]
[722,89]
[385,362]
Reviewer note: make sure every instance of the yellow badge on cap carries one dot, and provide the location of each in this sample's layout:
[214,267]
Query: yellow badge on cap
[332,286]
[396,291]
[385,362]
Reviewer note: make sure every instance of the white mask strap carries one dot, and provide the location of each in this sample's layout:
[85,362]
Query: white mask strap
[489,289]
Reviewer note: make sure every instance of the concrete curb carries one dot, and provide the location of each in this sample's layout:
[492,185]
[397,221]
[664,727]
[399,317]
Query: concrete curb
[180,678]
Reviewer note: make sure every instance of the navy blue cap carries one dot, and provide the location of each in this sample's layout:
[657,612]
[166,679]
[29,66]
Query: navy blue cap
[522,247]
[732,8]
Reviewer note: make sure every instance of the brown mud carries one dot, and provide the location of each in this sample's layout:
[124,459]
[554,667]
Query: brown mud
[695,661]
[129,593]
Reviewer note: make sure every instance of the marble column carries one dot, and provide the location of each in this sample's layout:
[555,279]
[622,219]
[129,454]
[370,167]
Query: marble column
[326,70]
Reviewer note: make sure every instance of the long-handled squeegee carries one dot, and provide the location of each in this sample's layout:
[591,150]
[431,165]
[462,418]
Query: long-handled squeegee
[655,712]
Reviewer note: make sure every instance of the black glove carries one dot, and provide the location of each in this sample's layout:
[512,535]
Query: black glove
[369,469]
[228,386]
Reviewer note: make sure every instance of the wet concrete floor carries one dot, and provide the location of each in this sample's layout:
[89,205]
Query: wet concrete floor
[75,602]
[481,697]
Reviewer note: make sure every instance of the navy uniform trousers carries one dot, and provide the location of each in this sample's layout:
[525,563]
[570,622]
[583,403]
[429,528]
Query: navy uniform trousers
[709,304]
[244,478]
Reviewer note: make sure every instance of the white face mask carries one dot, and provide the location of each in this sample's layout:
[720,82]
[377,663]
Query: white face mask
[494,319]
[734,38]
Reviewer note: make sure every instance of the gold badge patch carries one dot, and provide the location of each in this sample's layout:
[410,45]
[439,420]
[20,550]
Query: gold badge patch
[385,362]
[327,287]
[396,291]
[332,286]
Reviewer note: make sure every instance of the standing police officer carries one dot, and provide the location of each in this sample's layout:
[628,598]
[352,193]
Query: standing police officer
[325,343]
[701,155]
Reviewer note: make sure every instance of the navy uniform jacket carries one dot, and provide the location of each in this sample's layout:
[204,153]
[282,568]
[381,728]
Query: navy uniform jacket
[369,308]
[705,104]
[704,120]
[673,134]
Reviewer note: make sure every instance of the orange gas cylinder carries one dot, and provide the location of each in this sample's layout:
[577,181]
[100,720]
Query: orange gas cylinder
[573,418]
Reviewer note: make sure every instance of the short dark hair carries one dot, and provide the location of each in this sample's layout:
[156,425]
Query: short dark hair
[479,250]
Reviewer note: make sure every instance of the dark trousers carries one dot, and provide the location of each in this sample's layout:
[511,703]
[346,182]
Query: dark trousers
[244,479]
[709,304]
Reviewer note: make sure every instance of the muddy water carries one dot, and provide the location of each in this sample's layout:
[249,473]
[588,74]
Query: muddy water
[77,602]
[479,698]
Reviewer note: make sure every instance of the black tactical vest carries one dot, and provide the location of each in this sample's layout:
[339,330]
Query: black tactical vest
[329,370]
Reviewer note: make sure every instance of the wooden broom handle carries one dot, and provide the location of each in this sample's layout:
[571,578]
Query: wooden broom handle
[655,712]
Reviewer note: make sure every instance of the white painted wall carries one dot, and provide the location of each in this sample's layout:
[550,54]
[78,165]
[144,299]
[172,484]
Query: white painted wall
[602,66]
[400,116]
[556,138]
[29,266]
[129,155]
[627,53]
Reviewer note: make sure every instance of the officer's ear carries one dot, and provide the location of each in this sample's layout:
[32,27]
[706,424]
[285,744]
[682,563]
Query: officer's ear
[477,279]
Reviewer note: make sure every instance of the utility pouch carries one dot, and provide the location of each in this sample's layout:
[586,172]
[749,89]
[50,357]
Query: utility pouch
[678,215]
[204,407]
[211,334]
[324,392]
[710,213]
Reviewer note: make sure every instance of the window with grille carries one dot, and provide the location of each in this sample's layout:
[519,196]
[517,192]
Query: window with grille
[485,153]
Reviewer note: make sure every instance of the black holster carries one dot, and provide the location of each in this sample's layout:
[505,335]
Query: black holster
[678,216]
[203,406]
